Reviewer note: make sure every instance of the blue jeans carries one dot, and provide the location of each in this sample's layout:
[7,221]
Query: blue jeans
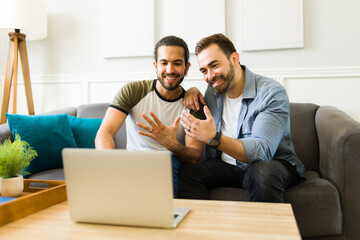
[265,181]
[176,165]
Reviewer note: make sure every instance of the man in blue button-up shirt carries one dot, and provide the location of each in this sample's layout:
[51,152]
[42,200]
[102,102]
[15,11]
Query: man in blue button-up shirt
[247,129]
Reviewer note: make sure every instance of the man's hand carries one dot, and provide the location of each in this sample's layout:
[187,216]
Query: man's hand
[164,135]
[202,130]
[192,98]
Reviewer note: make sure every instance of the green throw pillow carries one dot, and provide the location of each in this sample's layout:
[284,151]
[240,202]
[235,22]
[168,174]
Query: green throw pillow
[84,130]
[47,134]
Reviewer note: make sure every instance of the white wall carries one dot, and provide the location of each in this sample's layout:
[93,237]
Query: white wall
[67,69]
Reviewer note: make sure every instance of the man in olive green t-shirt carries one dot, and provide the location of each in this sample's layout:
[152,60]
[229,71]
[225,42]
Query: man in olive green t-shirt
[162,100]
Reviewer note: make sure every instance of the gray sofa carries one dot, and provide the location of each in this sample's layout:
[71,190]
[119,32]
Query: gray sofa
[326,204]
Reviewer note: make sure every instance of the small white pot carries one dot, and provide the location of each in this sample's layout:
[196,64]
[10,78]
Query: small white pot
[12,187]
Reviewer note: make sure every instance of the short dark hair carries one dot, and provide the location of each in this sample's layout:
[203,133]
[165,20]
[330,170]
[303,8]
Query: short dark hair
[219,39]
[172,41]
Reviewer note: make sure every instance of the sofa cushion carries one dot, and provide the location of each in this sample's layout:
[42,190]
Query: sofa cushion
[315,201]
[98,110]
[52,174]
[84,130]
[95,110]
[48,135]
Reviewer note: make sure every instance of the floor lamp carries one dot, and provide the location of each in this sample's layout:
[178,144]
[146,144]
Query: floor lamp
[20,20]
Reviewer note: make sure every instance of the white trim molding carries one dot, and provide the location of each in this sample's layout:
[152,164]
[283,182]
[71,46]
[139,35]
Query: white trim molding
[192,76]
[311,72]
[52,91]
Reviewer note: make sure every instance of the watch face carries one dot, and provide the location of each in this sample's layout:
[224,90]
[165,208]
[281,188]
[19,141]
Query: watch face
[215,141]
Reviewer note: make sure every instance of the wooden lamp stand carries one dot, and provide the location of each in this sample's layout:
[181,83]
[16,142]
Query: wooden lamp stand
[17,45]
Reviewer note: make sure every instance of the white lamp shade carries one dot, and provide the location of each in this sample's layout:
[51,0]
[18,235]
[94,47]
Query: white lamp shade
[27,15]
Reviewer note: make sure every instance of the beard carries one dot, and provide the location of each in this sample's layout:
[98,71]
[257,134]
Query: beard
[226,81]
[172,86]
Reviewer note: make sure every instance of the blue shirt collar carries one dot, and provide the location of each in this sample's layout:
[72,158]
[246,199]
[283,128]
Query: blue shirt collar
[249,91]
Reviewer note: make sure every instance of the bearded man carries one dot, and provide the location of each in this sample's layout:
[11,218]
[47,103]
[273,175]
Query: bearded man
[246,130]
[162,99]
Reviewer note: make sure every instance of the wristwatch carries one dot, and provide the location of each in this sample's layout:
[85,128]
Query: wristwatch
[215,141]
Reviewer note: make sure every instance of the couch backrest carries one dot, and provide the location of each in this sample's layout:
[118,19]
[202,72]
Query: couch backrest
[304,134]
[302,120]
[97,110]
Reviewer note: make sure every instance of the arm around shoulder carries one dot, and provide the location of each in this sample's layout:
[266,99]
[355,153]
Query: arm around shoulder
[193,99]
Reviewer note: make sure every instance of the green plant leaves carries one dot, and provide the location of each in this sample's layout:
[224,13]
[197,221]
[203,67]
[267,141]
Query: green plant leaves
[14,157]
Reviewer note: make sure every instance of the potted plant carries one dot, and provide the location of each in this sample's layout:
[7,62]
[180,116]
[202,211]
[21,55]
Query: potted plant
[14,157]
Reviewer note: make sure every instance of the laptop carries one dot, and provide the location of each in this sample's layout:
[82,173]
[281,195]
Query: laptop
[121,187]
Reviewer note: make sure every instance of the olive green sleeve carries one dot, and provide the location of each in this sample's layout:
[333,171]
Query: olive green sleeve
[130,94]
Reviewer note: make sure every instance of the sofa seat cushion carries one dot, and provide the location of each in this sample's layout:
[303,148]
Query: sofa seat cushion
[53,174]
[239,194]
[315,202]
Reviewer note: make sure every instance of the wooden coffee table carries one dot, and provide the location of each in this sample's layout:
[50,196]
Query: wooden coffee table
[206,220]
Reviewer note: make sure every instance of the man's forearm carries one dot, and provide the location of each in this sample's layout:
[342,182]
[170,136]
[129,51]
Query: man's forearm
[233,147]
[110,125]
[186,154]
[102,141]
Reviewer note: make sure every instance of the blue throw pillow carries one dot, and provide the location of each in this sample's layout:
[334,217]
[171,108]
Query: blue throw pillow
[47,134]
[84,130]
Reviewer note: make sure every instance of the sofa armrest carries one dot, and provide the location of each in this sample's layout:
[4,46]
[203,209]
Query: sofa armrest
[339,143]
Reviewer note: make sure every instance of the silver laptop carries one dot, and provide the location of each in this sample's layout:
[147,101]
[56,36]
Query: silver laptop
[121,187]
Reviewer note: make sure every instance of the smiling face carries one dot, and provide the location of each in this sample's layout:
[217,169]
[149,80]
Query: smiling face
[218,71]
[170,66]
